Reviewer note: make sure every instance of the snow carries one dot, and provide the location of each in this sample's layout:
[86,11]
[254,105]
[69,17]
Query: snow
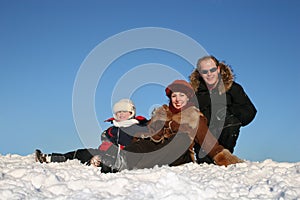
[22,178]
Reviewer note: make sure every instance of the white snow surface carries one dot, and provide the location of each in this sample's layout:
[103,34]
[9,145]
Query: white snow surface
[22,178]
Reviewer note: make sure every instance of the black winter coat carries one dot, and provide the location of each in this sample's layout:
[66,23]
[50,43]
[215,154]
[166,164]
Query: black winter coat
[123,135]
[234,101]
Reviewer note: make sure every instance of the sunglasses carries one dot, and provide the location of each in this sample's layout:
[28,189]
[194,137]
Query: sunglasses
[212,70]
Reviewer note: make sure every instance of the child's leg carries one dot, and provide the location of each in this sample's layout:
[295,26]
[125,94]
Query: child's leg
[84,155]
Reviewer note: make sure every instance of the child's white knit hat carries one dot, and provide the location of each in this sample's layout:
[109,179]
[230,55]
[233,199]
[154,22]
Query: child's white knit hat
[124,105]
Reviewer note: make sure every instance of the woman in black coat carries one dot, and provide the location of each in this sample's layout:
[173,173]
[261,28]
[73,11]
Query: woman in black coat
[223,101]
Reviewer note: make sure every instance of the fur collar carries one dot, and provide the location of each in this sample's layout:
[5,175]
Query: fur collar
[227,78]
[189,116]
[162,113]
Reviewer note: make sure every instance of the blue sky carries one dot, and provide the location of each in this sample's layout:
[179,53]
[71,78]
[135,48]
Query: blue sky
[44,44]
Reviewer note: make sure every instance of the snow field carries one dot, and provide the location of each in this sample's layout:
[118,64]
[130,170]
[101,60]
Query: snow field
[22,178]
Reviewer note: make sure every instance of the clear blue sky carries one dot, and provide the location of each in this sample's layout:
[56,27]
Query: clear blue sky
[43,44]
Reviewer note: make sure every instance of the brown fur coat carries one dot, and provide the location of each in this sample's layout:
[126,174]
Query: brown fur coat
[191,121]
[165,124]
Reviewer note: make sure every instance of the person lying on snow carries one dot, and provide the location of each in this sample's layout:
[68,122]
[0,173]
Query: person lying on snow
[169,137]
[125,123]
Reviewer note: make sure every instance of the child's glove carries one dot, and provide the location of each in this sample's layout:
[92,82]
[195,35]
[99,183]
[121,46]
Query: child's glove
[95,161]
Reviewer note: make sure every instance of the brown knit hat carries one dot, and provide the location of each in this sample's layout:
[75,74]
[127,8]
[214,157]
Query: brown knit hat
[180,86]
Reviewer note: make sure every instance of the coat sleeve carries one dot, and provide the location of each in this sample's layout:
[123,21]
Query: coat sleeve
[105,142]
[241,106]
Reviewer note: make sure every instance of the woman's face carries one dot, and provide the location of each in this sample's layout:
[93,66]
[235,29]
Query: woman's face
[123,115]
[179,99]
[209,72]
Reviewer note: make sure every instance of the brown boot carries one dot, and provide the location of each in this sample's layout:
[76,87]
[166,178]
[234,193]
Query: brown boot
[226,158]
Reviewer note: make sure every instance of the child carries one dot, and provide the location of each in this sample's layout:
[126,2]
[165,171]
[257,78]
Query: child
[125,123]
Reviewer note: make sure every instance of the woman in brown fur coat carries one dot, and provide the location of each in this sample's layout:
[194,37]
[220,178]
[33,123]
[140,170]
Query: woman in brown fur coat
[223,102]
[170,136]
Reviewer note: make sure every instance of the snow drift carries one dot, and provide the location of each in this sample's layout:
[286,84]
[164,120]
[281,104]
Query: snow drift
[22,178]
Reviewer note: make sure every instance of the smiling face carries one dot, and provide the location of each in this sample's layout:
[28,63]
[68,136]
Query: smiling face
[179,99]
[209,72]
[122,115]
